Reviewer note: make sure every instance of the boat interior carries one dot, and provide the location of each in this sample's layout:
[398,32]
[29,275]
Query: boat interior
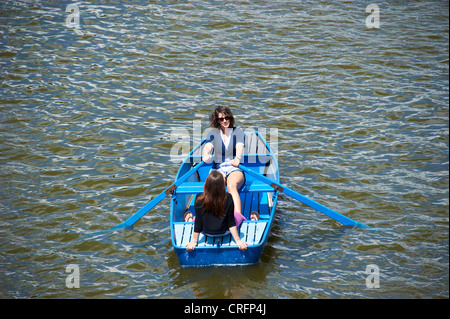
[255,196]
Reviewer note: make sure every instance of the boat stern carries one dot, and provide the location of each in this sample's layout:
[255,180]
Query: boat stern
[201,257]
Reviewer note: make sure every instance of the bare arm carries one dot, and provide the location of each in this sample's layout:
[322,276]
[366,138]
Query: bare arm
[207,158]
[241,244]
[191,246]
[239,151]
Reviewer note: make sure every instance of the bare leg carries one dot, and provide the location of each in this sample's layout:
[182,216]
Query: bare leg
[234,182]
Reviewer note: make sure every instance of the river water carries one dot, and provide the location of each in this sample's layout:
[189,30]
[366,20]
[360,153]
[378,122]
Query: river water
[92,109]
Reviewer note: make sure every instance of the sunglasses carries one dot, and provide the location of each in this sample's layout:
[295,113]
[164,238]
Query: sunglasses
[221,119]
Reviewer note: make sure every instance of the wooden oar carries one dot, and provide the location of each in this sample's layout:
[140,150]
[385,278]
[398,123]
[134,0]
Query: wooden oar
[169,190]
[325,210]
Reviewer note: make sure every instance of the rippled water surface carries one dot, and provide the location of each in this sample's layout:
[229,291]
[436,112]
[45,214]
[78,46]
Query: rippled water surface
[88,119]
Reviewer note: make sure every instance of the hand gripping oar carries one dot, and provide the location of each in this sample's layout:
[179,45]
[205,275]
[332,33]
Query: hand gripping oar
[305,200]
[169,190]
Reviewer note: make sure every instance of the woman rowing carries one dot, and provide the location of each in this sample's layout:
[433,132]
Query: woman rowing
[227,143]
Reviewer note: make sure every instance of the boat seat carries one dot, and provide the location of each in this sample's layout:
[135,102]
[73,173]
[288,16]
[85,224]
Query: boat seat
[249,186]
[250,231]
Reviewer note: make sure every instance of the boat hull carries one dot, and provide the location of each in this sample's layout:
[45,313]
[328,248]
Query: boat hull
[219,256]
[255,196]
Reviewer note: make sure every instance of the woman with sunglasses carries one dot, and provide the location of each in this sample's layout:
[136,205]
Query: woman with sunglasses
[227,143]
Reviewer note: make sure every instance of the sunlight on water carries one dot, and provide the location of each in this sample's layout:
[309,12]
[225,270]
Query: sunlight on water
[89,106]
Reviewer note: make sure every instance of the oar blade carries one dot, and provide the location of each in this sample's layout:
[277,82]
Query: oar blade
[324,210]
[147,207]
[305,200]
[141,212]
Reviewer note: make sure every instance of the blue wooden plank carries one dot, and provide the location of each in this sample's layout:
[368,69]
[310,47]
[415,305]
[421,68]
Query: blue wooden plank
[247,205]
[187,234]
[252,185]
[242,196]
[259,231]
[209,240]
[226,240]
[182,237]
[264,206]
[204,171]
[255,202]
[251,233]
[201,240]
[190,188]
[243,230]
[197,187]
[178,228]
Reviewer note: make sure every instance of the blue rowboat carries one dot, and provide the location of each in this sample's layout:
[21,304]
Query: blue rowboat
[255,196]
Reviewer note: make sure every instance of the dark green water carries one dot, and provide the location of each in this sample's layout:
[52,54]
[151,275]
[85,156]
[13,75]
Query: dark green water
[87,122]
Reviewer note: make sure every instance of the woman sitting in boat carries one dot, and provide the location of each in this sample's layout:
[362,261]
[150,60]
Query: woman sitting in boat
[227,142]
[214,212]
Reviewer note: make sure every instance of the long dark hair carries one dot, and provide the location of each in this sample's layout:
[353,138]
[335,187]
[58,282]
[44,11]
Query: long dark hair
[214,194]
[214,118]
